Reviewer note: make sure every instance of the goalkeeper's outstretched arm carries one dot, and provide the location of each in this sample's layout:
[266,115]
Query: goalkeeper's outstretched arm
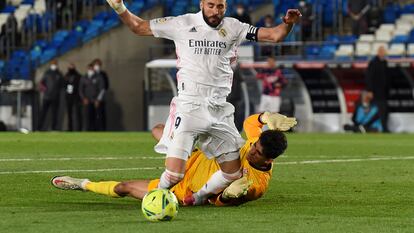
[137,25]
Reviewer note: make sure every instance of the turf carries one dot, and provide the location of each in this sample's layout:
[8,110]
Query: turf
[323,183]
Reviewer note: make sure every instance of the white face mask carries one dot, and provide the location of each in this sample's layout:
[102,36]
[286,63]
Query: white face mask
[90,73]
[240,11]
[268,25]
[53,67]
[97,68]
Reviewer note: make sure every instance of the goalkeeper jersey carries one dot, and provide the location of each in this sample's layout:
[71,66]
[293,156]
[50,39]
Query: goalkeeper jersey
[199,169]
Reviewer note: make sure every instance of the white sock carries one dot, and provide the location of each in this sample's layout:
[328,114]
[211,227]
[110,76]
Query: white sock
[169,179]
[217,183]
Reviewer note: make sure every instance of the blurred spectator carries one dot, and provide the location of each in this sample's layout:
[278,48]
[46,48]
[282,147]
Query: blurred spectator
[102,109]
[10,37]
[307,20]
[269,21]
[374,18]
[60,8]
[50,85]
[366,116]
[357,10]
[377,84]
[242,15]
[73,101]
[267,50]
[272,81]
[92,90]
[236,97]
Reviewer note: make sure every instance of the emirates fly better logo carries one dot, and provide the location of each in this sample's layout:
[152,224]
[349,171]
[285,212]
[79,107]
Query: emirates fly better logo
[207,47]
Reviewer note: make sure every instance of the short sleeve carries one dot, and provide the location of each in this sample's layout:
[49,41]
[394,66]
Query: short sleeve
[164,27]
[245,32]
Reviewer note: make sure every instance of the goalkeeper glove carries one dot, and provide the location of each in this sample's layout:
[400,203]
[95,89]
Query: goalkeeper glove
[117,5]
[276,121]
[237,189]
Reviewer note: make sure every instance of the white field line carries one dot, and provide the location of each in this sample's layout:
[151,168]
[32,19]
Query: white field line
[70,159]
[346,160]
[155,168]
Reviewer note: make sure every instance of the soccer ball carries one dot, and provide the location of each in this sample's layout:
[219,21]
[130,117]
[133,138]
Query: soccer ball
[159,205]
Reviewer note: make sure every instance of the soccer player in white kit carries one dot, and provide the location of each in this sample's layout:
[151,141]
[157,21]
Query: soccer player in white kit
[206,45]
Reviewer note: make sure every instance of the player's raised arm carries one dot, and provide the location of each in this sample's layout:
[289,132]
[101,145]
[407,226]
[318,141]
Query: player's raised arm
[137,25]
[278,33]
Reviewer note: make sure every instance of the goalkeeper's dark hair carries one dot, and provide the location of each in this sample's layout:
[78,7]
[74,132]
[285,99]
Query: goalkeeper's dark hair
[274,143]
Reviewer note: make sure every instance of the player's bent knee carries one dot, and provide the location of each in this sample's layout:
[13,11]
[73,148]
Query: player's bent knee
[157,131]
[122,189]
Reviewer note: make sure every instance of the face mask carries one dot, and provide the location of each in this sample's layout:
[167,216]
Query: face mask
[302,3]
[90,73]
[53,67]
[268,25]
[240,11]
[97,68]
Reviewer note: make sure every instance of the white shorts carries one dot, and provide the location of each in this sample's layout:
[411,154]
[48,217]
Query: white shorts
[193,119]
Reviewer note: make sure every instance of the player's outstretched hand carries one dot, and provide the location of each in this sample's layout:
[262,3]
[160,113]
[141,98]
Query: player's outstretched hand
[237,189]
[278,121]
[292,16]
[117,5]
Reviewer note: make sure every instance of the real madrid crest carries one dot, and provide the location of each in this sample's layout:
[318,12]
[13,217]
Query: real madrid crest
[222,32]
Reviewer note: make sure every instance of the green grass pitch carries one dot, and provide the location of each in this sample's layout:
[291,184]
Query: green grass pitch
[323,183]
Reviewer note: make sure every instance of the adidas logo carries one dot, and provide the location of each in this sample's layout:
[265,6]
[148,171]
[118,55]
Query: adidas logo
[193,29]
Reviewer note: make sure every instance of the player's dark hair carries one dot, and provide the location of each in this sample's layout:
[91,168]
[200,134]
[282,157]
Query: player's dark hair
[274,143]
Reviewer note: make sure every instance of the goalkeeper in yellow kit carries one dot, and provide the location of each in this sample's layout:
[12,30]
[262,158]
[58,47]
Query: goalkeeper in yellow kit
[256,156]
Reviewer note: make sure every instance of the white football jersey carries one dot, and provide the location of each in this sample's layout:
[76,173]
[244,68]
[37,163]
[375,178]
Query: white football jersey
[204,53]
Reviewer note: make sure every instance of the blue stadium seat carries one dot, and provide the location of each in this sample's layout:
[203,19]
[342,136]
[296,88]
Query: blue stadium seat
[30,2]
[400,39]
[111,22]
[151,3]
[348,39]
[60,36]
[327,52]
[332,38]
[93,30]
[8,9]
[40,43]
[312,51]
[18,55]
[391,12]
[408,9]
[35,54]
[136,7]
[24,70]
[48,55]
